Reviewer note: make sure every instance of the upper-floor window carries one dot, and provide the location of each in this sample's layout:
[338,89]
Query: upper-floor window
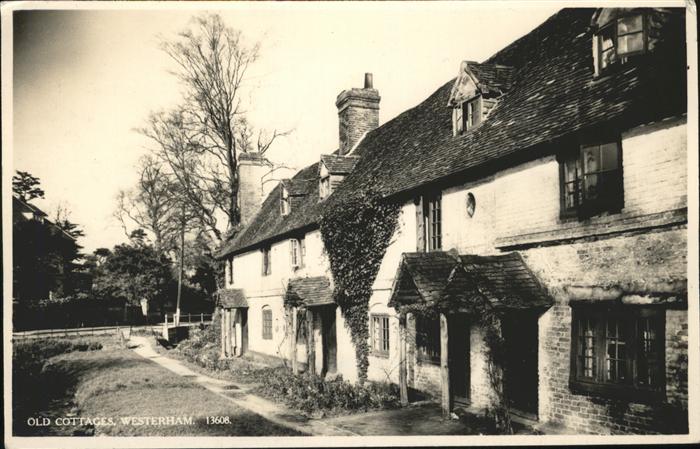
[230,270]
[285,206]
[592,179]
[325,187]
[266,261]
[267,323]
[617,350]
[380,335]
[467,115]
[432,213]
[620,38]
[297,250]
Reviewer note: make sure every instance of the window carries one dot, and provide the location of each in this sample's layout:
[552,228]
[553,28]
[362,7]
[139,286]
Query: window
[230,271]
[592,180]
[267,324]
[619,39]
[380,335]
[266,262]
[618,351]
[432,214]
[325,187]
[297,248]
[466,115]
[428,339]
[285,206]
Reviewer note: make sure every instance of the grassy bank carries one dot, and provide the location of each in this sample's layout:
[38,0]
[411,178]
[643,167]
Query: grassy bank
[114,383]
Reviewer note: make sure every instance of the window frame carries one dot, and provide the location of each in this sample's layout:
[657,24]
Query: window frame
[428,346]
[432,227]
[267,323]
[613,202]
[230,271]
[266,260]
[467,115]
[295,253]
[630,317]
[620,57]
[285,203]
[380,323]
[325,186]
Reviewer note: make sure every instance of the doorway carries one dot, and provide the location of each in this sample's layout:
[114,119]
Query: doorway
[521,378]
[328,340]
[458,357]
[243,313]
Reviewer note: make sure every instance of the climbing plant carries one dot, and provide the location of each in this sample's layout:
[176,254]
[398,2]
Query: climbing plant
[356,233]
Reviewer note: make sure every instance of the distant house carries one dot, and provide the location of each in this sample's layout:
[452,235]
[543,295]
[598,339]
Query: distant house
[549,182]
[32,233]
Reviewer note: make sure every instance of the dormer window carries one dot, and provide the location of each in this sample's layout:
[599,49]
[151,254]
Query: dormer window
[618,39]
[467,115]
[475,93]
[325,187]
[285,206]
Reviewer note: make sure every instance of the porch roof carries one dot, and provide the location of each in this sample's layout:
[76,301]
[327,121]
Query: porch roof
[446,281]
[309,291]
[231,298]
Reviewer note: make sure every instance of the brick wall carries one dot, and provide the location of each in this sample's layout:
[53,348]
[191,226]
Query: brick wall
[630,262]
[358,113]
[250,191]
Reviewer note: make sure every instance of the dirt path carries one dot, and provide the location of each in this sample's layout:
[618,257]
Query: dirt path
[238,395]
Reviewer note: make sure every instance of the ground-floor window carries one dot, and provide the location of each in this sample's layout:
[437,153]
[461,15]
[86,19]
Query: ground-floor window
[428,339]
[267,324]
[618,350]
[380,335]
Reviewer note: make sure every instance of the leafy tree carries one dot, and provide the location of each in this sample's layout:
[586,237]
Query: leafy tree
[26,187]
[132,272]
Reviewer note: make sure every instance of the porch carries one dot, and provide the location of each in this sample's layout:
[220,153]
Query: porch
[473,321]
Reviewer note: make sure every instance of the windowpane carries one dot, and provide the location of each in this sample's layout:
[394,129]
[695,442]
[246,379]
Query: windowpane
[433,219]
[649,360]
[616,357]
[459,120]
[609,156]
[586,329]
[380,333]
[591,159]
[630,43]
[629,24]
[428,338]
[607,38]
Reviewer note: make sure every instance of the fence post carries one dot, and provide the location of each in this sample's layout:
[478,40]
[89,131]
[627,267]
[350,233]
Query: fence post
[201,317]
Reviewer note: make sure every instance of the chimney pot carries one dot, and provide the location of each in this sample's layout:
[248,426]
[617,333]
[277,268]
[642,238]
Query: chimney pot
[368,81]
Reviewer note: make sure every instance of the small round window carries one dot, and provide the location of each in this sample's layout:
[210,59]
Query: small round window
[471,204]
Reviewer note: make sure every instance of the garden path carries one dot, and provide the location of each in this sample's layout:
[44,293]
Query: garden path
[238,395]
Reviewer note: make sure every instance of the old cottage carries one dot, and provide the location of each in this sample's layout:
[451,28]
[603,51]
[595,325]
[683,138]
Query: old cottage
[543,197]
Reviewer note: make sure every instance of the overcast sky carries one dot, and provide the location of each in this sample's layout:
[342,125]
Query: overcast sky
[83,80]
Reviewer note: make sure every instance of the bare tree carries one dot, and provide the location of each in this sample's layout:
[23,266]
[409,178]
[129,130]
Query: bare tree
[200,140]
[151,205]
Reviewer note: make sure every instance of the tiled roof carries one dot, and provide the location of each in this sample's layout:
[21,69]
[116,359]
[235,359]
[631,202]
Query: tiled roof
[492,76]
[506,280]
[229,298]
[340,165]
[310,291]
[553,95]
[445,281]
[269,224]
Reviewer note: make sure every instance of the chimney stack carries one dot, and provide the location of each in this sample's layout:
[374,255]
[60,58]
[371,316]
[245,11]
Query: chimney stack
[358,113]
[251,168]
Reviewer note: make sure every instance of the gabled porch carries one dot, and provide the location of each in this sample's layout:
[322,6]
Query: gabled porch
[233,308]
[475,320]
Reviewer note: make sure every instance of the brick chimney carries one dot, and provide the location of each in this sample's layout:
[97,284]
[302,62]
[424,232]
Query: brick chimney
[251,168]
[358,113]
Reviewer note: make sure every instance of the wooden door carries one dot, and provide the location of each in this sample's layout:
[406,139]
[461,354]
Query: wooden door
[329,343]
[243,312]
[521,377]
[458,357]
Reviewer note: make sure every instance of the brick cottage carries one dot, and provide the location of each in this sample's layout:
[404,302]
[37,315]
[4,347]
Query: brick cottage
[547,183]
